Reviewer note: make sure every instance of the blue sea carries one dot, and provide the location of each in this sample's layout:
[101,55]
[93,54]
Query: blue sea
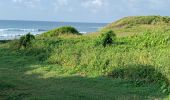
[12,29]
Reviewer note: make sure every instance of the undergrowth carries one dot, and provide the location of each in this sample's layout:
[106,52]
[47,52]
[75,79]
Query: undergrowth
[141,58]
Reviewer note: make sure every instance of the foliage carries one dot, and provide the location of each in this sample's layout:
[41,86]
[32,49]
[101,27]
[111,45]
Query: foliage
[139,20]
[26,40]
[107,38]
[138,24]
[68,30]
[139,74]
[142,60]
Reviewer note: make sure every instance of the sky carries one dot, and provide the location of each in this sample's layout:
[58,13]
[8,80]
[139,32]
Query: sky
[80,10]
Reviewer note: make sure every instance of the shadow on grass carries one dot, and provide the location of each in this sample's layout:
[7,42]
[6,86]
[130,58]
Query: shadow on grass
[16,84]
[142,75]
[4,41]
[120,43]
[78,88]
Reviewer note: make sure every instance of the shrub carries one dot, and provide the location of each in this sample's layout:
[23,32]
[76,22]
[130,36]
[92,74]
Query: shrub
[26,40]
[67,29]
[107,38]
[61,31]
[139,74]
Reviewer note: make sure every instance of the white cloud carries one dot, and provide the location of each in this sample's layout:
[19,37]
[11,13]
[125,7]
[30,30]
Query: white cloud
[63,5]
[154,4]
[62,2]
[94,5]
[29,3]
[17,1]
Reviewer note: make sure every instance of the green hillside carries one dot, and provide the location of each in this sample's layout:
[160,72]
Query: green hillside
[140,20]
[139,24]
[134,64]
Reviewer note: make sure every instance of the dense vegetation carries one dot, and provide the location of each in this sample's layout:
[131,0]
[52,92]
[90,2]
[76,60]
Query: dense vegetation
[96,66]
[26,41]
[107,38]
[139,24]
[67,30]
[139,20]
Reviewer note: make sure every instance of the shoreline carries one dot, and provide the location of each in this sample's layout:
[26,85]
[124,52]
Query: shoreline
[13,37]
[4,41]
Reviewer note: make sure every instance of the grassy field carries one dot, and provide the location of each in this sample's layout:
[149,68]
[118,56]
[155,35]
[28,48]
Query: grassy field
[77,67]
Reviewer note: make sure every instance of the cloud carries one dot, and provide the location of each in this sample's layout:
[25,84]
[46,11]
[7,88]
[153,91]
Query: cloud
[153,4]
[17,1]
[28,3]
[62,2]
[94,5]
[64,5]
[94,9]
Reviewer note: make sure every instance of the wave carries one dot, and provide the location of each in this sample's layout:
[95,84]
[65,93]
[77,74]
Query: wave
[83,32]
[22,30]
[96,27]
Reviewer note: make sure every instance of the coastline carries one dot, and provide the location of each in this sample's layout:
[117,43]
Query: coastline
[10,30]
[4,41]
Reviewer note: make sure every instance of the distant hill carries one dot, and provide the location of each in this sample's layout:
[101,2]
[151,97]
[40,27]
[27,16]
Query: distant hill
[137,24]
[139,20]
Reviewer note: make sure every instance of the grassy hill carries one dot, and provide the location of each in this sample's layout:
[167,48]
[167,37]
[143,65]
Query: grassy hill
[139,24]
[77,67]
[139,20]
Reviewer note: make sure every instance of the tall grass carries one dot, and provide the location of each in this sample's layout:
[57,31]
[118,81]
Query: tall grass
[140,58]
[68,30]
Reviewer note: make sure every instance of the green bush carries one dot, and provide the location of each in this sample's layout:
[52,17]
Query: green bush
[26,40]
[61,31]
[107,38]
[139,73]
[67,29]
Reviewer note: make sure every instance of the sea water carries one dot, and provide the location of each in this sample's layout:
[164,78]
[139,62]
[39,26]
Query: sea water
[12,29]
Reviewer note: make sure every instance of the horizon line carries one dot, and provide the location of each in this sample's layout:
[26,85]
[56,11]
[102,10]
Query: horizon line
[52,21]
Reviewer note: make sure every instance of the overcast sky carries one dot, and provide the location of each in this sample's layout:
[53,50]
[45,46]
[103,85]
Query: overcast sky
[80,10]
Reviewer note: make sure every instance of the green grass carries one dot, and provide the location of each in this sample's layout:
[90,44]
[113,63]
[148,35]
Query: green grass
[139,24]
[140,20]
[78,67]
[67,30]
[23,78]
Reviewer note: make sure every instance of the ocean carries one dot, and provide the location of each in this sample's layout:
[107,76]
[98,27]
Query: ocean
[12,29]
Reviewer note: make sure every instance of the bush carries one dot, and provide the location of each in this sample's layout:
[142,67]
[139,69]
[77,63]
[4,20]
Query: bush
[141,75]
[67,29]
[107,38]
[26,40]
[61,31]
